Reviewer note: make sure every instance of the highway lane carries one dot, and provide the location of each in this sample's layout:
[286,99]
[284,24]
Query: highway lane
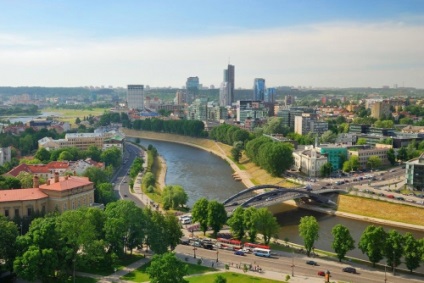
[282,263]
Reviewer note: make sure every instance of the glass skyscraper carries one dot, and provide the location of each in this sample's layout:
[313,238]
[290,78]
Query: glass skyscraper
[259,90]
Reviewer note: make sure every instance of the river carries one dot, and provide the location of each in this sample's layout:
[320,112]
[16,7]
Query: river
[203,174]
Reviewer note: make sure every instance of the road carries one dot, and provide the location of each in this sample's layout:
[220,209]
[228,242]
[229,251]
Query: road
[283,262]
[121,179]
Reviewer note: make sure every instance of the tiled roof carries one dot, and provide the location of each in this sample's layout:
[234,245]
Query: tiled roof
[21,194]
[58,165]
[66,183]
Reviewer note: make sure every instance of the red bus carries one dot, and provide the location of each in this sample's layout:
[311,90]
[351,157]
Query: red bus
[228,244]
[252,246]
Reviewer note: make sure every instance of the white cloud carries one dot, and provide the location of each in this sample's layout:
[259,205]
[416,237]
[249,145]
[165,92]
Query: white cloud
[332,54]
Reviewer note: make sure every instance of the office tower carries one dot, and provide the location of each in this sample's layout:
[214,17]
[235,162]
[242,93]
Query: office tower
[259,90]
[192,88]
[289,100]
[269,95]
[226,92]
[135,97]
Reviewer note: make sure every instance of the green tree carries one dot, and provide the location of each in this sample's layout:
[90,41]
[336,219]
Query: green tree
[220,279]
[374,162]
[217,216]
[342,242]
[412,252]
[326,169]
[106,193]
[236,223]
[275,157]
[173,230]
[77,121]
[372,243]
[236,153]
[266,224]
[156,233]
[361,141]
[402,154]
[112,156]
[166,268]
[250,222]
[309,231]
[43,155]
[94,153]
[200,213]
[65,156]
[391,156]
[9,232]
[328,137]
[174,196]
[393,248]
[148,180]
[26,179]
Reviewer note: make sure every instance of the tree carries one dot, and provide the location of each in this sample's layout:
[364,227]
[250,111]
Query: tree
[372,243]
[220,279]
[173,230]
[26,179]
[65,155]
[77,121]
[402,154]
[106,193]
[94,153]
[361,141]
[217,216]
[391,156]
[236,151]
[328,137]
[9,232]
[326,169]
[166,268]
[200,213]
[412,252]
[42,154]
[174,196]
[275,157]
[156,234]
[266,224]
[236,223]
[148,180]
[250,220]
[342,242]
[111,156]
[374,162]
[393,248]
[309,231]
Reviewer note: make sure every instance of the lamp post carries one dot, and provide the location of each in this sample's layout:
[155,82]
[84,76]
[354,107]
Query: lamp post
[194,252]
[385,274]
[217,254]
[292,266]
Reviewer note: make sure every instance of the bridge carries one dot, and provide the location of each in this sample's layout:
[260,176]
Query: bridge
[267,195]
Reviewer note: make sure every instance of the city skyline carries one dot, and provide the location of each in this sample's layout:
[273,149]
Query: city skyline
[324,43]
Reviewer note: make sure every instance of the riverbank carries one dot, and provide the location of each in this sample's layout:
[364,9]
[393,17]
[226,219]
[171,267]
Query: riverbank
[250,176]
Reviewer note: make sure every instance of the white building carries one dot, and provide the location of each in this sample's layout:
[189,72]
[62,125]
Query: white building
[135,97]
[309,161]
[5,155]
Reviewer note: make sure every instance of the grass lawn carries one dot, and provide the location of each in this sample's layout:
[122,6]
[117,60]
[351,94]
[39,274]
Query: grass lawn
[127,260]
[140,275]
[69,115]
[231,278]
[381,209]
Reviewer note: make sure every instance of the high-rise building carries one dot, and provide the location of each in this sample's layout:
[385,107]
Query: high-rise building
[289,100]
[226,93]
[135,97]
[192,87]
[380,109]
[270,95]
[259,89]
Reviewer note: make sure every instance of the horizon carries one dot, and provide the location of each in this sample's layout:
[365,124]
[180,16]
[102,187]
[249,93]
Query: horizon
[319,44]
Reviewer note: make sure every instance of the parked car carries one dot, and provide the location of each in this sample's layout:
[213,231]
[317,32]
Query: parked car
[400,198]
[349,270]
[311,262]
[321,273]
[239,252]
[390,196]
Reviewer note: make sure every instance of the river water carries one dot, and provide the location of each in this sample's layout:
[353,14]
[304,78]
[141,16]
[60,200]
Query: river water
[203,174]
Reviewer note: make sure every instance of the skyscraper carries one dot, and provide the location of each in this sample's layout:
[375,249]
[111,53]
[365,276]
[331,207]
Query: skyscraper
[226,93]
[135,97]
[192,87]
[259,89]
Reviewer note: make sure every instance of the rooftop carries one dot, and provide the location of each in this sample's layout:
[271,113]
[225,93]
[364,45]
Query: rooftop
[21,195]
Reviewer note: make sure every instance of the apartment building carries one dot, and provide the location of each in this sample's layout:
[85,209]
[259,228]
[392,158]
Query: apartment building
[364,153]
[83,141]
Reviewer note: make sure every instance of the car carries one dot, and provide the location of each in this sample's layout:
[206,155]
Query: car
[125,196]
[125,181]
[239,252]
[268,199]
[400,198]
[311,262]
[321,273]
[390,196]
[349,270]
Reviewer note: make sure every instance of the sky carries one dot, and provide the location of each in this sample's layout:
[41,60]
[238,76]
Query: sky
[306,43]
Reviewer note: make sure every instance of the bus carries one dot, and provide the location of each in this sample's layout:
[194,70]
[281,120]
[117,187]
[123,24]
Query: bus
[262,252]
[252,246]
[228,244]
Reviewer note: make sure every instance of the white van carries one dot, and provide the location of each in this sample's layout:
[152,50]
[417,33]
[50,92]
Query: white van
[186,220]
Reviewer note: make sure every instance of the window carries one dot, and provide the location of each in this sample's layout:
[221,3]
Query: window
[6,212]
[16,212]
[29,211]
